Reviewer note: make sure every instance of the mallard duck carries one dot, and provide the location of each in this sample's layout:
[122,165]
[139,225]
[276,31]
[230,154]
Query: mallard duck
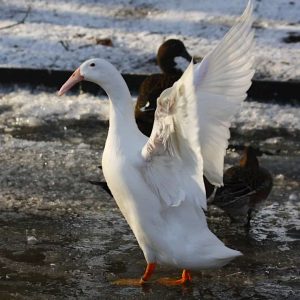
[157,182]
[245,187]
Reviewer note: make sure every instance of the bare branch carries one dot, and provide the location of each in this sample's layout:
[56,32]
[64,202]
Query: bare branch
[21,21]
[65,44]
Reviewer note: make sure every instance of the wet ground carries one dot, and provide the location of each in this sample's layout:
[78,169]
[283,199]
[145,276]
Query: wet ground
[63,238]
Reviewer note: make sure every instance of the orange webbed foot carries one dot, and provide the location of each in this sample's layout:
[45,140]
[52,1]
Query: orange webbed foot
[131,281]
[185,278]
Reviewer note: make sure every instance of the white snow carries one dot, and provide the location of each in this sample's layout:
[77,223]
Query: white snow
[254,115]
[31,109]
[61,34]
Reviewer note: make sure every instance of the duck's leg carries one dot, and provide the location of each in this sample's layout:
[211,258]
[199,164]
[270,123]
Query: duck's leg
[145,278]
[185,278]
[148,273]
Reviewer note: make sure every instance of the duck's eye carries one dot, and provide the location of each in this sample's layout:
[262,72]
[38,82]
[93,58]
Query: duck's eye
[92,65]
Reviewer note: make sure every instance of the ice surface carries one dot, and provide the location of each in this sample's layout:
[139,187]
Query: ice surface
[64,237]
[254,115]
[25,107]
[51,147]
[46,177]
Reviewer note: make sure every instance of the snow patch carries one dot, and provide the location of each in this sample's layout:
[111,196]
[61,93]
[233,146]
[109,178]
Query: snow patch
[62,34]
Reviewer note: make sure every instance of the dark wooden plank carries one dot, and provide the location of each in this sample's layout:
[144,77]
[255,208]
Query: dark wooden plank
[283,92]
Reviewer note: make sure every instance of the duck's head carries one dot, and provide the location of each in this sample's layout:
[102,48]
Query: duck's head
[95,70]
[167,53]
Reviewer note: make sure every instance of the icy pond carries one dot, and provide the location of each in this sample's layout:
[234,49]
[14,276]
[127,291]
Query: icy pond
[63,238]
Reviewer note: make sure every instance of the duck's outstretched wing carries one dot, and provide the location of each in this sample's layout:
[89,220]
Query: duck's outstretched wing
[191,127]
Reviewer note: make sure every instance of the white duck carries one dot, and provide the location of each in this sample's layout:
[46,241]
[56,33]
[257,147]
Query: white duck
[158,182]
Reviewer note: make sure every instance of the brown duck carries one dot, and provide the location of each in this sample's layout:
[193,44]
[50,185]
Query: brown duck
[155,84]
[245,187]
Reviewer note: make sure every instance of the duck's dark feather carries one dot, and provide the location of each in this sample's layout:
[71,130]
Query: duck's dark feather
[150,90]
[155,84]
[245,186]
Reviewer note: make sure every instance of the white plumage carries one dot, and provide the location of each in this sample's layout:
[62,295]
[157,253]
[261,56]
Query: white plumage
[158,182]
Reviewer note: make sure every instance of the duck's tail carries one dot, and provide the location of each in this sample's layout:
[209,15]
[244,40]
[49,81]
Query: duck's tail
[224,255]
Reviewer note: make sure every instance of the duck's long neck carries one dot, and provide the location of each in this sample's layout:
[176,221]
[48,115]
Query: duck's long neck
[121,112]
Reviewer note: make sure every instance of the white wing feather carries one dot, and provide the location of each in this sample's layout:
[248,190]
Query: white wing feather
[221,81]
[191,127]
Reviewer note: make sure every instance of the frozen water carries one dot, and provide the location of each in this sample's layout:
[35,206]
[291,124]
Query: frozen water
[257,116]
[61,236]
[52,146]
[24,107]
